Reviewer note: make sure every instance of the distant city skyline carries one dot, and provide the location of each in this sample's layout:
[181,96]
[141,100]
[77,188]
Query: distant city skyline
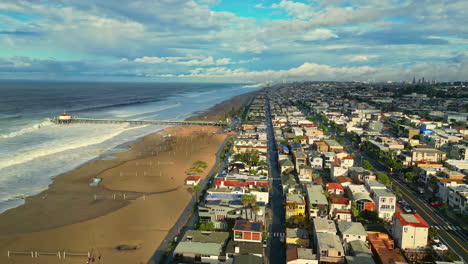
[234,41]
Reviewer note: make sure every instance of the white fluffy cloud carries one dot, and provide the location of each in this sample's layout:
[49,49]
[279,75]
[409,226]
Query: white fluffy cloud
[361,58]
[295,9]
[188,61]
[319,34]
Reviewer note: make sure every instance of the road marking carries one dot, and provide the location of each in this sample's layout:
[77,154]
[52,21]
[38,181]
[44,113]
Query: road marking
[417,205]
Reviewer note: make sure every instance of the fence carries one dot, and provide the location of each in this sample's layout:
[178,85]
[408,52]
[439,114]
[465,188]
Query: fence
[59,254]
[119,196]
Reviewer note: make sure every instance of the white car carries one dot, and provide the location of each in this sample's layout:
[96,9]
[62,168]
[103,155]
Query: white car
[440,247]
[436,240]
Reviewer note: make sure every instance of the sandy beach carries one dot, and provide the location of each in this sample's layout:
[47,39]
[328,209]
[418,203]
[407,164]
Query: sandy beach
[141,196]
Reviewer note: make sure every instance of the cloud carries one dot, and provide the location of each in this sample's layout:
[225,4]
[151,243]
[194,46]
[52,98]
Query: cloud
[319,34]
[188,61]
[361,58]
[295,9]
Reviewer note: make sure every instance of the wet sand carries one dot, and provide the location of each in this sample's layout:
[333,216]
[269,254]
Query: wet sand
[141,196]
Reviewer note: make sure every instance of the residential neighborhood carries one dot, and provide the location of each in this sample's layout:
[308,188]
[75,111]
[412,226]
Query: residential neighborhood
[338,173]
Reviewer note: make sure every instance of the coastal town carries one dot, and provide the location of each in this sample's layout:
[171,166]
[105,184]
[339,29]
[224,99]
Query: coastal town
[325,172]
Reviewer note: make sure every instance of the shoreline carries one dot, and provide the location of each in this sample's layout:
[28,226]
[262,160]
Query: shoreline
[53,217]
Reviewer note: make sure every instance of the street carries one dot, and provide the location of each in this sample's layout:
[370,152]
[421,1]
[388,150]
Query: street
[276,248]
[450,234]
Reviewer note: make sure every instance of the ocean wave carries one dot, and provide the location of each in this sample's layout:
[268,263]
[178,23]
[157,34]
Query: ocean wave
[7,116]
[100,107]
[161,108]
[258,85]
[49,150]
[46,122]
[23,194]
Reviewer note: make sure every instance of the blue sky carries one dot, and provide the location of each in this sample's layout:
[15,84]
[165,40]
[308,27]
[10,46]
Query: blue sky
[234,41]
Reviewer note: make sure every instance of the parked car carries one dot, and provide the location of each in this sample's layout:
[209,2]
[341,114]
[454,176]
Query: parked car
[436,240]
[407,209]
[436,203]
[440,247]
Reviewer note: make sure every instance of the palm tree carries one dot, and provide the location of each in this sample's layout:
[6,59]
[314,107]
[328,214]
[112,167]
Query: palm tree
[255,209]
[245,200]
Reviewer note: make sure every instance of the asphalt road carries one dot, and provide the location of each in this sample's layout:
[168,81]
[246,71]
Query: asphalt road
[275,248]
[450,233]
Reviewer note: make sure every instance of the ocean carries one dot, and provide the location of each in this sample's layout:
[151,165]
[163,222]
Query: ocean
[33,150]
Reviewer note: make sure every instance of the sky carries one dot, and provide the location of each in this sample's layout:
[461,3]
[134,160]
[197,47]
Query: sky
[243,41]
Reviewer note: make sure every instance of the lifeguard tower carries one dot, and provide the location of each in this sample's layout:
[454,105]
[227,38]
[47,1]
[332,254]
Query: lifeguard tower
[64,119]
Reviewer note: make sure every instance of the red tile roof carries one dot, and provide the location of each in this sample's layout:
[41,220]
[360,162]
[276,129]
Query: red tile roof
[192,178]
[348,158]
[334,186]
[404,222]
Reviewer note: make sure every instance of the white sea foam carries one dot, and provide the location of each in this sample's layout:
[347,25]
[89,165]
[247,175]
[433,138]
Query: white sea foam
[28,129]
[155,110]
[50,149]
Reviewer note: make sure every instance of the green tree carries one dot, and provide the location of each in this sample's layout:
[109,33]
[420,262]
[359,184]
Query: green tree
[397,191]
[255,209]
[248,200]
[395,164]
[366,165]
[353,155]
[433,232]
[409,176]
[284,142]
[324,128]
[340,140]
[383,178]
[297,139]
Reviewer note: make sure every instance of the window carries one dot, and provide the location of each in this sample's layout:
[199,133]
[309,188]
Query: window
[405,229]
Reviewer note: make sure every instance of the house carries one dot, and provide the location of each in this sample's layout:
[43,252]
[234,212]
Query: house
[329,248]
[192,180]
[295,206]
[245,231]
[384,248]
[384,201]
[316,201]
[300,159]
[218,211]
[301,256]
[427,154]
[358,252]
[335,188]
[286,165]
[410,231]
[322,225]
[458,198]
[360,175]
[328,159]
[316,160]
[296,236]
[305,174]
[333,146]
[443,186]
[340,208]
[351,231]
[320,146]
[361,197]
[235,249]
[201,246]
[372,185]
[344,181]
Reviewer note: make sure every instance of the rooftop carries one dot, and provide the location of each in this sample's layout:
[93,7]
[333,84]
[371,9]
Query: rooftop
[244,225]
[315,194]
[351,228]
[296,232]
[206,236]
[329,241]
[413,220]
[383,192]
[213,249]
[300,253]
[324,225]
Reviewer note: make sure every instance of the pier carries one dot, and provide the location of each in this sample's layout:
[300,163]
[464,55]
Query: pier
[66,119]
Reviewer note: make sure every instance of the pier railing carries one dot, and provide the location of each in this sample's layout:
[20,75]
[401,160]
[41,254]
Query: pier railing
[135,122]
